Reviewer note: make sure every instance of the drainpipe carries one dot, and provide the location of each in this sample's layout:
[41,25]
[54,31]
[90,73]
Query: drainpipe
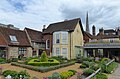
[70,45]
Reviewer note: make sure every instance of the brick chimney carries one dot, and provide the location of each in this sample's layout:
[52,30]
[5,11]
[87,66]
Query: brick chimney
[93,30]
[44,28]
[101,31]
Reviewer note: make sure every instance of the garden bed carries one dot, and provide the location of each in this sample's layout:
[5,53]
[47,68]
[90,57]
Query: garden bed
[42,69]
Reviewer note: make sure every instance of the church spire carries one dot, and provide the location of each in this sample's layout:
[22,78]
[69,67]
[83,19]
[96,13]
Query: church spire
[87,23]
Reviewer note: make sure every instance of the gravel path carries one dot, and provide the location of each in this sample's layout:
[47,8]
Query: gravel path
[115,74]
[39,74]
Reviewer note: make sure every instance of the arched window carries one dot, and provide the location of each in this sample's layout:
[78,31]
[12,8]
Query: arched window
[47,44]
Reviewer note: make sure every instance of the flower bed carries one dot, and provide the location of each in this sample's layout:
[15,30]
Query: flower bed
[62,75]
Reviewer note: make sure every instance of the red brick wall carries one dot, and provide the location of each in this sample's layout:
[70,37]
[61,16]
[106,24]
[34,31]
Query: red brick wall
[48,37]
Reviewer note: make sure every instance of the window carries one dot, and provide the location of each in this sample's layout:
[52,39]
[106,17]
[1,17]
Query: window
[64,52]
[22,51]
[13,38]
[57,38]
[111,40]
[47,44]
[57,51]
[64,38]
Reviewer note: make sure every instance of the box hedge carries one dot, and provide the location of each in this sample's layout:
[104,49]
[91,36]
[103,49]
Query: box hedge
[35,62]
[42,69]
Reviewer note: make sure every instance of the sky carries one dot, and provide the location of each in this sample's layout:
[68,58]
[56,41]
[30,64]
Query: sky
[36,13]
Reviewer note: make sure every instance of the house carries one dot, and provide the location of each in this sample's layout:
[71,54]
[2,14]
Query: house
[14,43]
[106,43]
[36,41]
[64,38]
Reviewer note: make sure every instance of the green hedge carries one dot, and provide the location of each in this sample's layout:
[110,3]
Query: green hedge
[35,62]
[42,69]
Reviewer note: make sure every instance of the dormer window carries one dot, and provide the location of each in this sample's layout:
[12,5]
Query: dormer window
[13,38]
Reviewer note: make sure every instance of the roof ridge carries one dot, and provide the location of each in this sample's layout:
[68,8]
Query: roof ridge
[32,29]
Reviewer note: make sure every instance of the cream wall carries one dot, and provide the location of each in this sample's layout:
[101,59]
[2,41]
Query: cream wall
[60,45]
[77,40]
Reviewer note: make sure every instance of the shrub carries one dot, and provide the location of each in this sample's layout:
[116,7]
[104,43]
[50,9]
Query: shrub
[73,71]
[65,75]
[23,74]
[88,59]
[2,60]
[82,66]
[100,76]
[86,63]
[105,60]
[111,67]
[95,67]
[56,75]
[14,59]
[11,73]
[88,72]
[44,57]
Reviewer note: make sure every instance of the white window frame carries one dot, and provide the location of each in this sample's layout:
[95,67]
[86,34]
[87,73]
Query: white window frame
[64,38]
[57,52]
[47,44]
[13,38]
[65,54]
[57,35]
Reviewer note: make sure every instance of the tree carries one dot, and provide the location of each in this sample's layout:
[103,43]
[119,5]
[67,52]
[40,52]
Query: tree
[44,57]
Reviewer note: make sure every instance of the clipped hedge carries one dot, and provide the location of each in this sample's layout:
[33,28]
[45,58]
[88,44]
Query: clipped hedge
[35,62]
[42,69]
[65,75]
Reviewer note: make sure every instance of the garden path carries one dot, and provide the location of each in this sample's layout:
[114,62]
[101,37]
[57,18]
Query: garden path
[39,74]
[115,74]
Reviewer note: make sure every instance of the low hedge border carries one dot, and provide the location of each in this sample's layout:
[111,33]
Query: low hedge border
[42,69]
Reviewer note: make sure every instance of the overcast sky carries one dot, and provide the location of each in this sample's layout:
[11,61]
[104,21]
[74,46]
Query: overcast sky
[36,13]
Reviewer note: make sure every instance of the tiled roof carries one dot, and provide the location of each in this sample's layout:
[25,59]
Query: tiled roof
[68,25]
[34,35]
[109,31]
[2,40]
[105,36]
[20,35]
[88,34]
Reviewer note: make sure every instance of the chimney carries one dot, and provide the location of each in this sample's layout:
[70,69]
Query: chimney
[93,30]
[44,27]
[101,31]
[87,23]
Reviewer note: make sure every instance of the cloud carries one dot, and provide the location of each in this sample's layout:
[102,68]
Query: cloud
[102,13]
[36,13]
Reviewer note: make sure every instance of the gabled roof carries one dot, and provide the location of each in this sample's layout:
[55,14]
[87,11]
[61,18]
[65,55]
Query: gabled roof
[20,35]
[68,25]
[88,34]
[34,35]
